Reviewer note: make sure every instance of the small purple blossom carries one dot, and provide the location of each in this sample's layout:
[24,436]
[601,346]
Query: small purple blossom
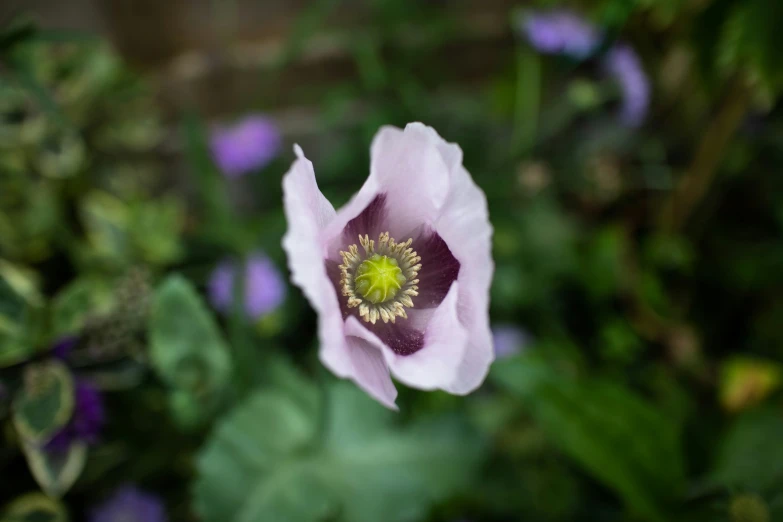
[400,275]
[246,146]
[63,347]
[87,420]
[560,32]
[509,340]
[265,289]
[129,504]
[623,64]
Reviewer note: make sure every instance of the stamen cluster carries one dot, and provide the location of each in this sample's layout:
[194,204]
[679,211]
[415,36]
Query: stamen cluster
[382,279]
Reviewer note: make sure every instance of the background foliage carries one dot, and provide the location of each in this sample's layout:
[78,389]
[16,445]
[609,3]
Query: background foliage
[642,264]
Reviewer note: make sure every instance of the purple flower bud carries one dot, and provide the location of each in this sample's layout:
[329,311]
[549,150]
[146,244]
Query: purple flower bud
[246,146]
[623,64]
[129,504]
[560,32]
[86,422]
[265,289]
[62,348]
[509,340]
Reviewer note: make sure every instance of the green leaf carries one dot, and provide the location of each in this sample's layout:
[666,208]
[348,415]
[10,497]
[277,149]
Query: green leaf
[81,299]
[21,314]
[622,440]
[209,183]
[64,156]
[15,316]
[22,281]
[750,41]
[186,347]
[527,101]
[268,460]
[105,219]
[751,453]
[602,267]
[35,507]
[17,31]
[56,472]
[154,230]
[45,402]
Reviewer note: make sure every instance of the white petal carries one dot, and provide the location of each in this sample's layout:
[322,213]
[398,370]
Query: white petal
[308,213]
[437,364]
[411,171]
[464,226]
[370,371]
[411,167]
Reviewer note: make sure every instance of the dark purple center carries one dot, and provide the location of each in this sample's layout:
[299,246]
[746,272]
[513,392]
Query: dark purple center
[439,270]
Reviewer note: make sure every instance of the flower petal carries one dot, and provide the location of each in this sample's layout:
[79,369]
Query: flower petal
[410,170]
[370,370]
[401,337]
[437,364]
[371,221]
[439,269]
[308,213]
[413,172]
[464,226]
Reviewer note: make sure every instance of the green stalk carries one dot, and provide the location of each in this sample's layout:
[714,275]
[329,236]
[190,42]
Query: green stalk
[527,102]
[709,154]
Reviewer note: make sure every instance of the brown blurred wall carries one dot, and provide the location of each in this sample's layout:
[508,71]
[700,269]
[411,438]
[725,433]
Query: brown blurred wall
[212,54]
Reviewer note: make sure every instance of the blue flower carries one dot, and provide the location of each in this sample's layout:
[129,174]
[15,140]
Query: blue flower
[560,32]
[247,146]
[509,340]
[565,32]
[265,288]
[129,504]
[624,65]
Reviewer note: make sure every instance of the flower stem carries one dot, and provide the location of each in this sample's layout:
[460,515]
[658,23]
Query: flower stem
[526,103]
[714,142]
[237,329]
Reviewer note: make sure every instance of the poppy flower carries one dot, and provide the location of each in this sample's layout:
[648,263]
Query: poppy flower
[400,275]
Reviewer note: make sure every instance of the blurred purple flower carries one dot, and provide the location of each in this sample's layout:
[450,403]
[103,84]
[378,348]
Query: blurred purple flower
[560,32]
[265,289]
[129,504]
[87,420]
[624,65]
[509,340]
[62,348]
[246,146]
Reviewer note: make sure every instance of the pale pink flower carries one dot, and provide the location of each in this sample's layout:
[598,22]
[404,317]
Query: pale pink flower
[400,275]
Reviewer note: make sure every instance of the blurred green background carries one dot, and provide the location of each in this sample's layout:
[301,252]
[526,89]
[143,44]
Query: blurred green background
[630,152]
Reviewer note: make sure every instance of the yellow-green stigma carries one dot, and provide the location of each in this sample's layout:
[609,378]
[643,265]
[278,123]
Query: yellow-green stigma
[382,279]
[379,278]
